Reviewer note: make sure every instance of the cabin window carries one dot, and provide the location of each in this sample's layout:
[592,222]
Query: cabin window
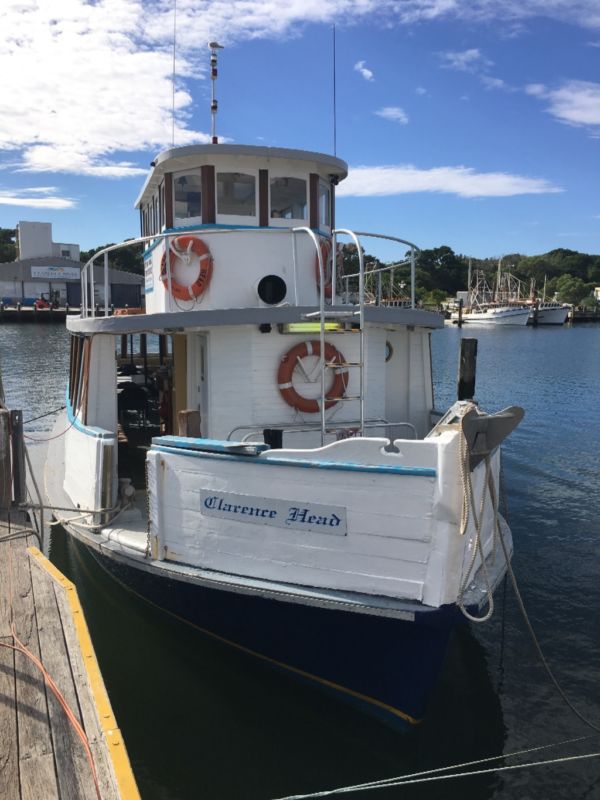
[288,198]
[79,376]
[187,192]
[236,194]
[161,206]
[324,205]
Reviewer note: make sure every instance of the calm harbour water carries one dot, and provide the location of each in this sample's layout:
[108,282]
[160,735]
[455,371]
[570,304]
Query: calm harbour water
[202,720]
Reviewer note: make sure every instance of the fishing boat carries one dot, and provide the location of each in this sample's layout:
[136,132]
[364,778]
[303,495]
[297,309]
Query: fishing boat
[276,473]
[487,306]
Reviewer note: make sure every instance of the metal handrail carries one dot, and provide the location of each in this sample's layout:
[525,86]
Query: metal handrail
[307,427]
[413,251]
[315,241]
[361,309]
[87,271]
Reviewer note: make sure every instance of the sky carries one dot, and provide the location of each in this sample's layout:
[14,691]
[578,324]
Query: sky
[468,123]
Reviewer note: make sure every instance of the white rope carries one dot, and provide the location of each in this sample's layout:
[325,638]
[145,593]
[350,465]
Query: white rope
[425,777]
[468,510]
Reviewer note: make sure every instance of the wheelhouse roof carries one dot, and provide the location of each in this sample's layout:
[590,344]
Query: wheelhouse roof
[180,158]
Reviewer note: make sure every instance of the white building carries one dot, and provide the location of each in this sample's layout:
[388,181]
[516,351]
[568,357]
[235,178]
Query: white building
[34,240]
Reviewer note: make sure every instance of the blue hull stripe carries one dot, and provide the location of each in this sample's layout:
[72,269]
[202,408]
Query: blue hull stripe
[341,466]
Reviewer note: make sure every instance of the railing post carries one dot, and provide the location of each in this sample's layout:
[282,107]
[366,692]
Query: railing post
[412,277]
[106,284]
[91,288]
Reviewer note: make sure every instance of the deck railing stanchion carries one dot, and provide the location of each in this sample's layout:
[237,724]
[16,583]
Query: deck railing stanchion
[106,284]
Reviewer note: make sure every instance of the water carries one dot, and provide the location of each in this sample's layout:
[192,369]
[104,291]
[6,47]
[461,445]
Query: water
[200,719]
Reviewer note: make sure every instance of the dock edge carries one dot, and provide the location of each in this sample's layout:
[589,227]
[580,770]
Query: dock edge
[117,751]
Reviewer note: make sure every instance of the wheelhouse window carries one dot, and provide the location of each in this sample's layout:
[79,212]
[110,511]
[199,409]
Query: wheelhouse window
[324,205]
[288,198]
[187,196]
[236,194]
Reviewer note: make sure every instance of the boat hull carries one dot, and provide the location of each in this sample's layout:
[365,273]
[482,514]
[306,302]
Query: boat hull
[386,666]
[500,316]
[549,315]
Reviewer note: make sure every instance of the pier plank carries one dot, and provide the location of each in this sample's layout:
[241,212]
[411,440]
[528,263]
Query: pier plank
[32,710]
[9,765]
[73,768]
[38,778]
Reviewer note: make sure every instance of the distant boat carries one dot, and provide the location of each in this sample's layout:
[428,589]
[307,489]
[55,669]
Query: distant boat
[549,313]
[491,307]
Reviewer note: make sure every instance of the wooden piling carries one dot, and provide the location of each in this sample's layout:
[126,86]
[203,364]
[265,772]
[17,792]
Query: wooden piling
[467,367]
[19,475]
[5,463]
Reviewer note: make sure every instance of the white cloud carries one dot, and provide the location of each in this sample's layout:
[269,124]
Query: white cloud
[462,181]
[87,83]
[27,197]
[575,102]
[394,114]
[465,60]
[420,90]
[366,73]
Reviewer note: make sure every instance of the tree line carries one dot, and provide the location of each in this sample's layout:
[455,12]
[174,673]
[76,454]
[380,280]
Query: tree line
[440,272]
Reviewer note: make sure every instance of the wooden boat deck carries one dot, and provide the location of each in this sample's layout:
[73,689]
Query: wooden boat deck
[41,756]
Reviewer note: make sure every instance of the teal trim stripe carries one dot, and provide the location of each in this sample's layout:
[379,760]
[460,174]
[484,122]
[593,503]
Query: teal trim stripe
[341,466]
[97,433]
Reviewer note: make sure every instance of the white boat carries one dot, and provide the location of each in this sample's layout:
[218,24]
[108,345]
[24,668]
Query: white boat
[490,314]
[491,307]
[297,495]
[549,313]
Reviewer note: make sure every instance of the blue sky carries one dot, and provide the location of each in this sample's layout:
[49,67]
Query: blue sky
[471,123]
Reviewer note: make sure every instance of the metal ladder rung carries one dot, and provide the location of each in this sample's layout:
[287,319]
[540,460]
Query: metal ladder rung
[339,399]
[331,314]
[343,364]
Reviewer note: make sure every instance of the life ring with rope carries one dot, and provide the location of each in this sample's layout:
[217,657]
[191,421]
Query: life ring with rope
[289,362]
[186,248]
[327,268]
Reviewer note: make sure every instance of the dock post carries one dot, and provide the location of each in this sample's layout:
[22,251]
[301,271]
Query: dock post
[536,309]
[467,367]
[460,313]
[5,469]
[18,457]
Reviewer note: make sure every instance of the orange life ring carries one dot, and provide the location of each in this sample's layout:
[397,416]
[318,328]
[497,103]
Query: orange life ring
[183,247]
[327,267]
[288,364]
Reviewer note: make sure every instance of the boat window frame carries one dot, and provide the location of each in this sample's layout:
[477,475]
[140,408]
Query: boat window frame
[287,221]
[196,219]
[238,219]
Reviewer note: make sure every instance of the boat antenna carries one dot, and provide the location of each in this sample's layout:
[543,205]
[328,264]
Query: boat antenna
[334,99]
[173,80]
[214,46]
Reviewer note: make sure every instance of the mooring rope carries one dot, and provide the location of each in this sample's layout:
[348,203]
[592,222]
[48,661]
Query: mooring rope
[433,774]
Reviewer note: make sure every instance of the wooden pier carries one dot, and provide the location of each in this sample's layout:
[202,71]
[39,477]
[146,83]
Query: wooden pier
[41,754]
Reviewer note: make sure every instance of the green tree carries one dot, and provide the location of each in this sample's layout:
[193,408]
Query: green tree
[128,259]
[571,290]
[8,248]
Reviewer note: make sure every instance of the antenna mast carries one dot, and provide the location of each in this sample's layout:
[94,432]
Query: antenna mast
[173,80]
[214,46]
